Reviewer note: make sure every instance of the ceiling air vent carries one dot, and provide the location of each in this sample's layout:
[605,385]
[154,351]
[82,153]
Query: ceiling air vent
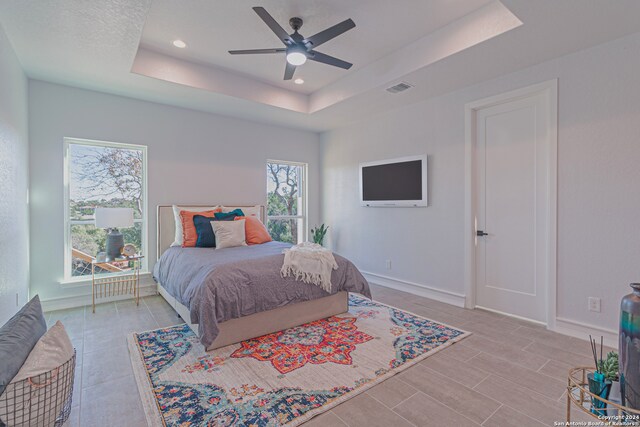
[400,87]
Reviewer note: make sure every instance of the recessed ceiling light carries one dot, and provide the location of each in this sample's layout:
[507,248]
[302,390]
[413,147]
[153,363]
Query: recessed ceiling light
[298,81]
[179,43]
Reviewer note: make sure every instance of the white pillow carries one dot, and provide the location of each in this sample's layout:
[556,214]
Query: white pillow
[229,234]
[51,351]
[179,238]
[248,211]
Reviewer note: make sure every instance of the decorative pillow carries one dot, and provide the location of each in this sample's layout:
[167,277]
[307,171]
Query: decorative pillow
[229,234]
[248,211]
[177,241]
[18,337]
[51,351]
[189,234]
[229,216]
[255,231]
[206,238]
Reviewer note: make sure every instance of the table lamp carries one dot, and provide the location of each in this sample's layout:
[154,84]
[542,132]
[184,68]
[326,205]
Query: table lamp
[111,219]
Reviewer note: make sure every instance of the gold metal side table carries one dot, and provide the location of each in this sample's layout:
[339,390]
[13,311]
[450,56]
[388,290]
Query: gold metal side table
[122,277]
[580,398]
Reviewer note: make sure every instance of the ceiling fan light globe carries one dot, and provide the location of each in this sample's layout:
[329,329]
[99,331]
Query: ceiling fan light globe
[296,58]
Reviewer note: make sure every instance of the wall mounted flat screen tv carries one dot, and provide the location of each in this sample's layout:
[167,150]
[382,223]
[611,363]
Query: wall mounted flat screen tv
[394,183]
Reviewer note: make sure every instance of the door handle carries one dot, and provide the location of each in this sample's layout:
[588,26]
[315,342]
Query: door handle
[481,233]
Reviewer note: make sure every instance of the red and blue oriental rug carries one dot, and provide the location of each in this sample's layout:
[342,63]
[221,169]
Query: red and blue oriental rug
[282,378]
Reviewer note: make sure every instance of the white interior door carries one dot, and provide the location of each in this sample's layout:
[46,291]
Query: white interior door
[513,204]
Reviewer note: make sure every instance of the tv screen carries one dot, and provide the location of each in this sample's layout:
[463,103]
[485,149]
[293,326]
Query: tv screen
[394,183]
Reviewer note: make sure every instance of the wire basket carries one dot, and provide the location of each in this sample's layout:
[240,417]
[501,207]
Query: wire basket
[40,401]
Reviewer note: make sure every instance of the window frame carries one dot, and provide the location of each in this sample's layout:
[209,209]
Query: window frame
[68,222]
[304,199]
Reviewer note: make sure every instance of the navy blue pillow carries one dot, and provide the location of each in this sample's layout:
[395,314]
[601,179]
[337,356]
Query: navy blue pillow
[206,238]
[228,216]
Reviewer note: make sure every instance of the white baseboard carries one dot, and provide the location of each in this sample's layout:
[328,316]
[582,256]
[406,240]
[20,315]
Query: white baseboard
[514,316]
[563,326]
[84,298]
[416,289]
[582,331]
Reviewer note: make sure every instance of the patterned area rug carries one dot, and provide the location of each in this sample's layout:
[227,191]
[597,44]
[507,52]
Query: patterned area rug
[282,378]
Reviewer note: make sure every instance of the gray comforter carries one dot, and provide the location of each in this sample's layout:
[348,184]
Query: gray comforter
[223,284]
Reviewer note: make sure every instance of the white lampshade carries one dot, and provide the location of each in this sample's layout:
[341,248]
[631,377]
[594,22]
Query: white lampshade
[114,217]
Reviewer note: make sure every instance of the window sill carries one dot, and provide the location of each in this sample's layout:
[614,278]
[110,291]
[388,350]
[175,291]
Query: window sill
[79,282]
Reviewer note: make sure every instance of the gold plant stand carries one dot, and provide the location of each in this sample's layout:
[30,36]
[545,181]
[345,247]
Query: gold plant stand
[126,281]
[579,396]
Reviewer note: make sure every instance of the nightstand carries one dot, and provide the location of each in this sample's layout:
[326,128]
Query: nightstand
[120,276]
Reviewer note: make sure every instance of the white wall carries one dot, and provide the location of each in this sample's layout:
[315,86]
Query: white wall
[14,179]
[193,157]
[598,179]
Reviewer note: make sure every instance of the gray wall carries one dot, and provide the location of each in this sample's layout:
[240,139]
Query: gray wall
[14,174]
[598,180]
[193,157]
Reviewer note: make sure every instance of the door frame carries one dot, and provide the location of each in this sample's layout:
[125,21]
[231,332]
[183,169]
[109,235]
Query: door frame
[550,90]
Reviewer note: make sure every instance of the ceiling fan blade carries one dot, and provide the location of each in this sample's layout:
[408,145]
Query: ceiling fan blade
[330,60]
[330,33]
[288,71]
[271,23]
[255,51]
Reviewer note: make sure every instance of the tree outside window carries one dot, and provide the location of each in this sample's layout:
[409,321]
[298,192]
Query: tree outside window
[101,175]
[286,204]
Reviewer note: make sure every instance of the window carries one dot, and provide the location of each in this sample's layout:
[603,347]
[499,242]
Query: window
[101,174]
[287,201]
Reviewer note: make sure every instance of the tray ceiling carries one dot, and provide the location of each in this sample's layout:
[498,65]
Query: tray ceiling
[388,44]
[211,28]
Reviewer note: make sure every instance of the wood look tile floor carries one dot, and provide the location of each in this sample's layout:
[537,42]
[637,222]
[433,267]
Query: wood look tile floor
[508,373]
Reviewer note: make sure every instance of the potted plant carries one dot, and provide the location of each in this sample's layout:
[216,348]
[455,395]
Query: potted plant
[610,368]
[318,233]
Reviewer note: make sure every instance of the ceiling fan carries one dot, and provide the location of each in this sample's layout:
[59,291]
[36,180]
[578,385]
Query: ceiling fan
[298,48]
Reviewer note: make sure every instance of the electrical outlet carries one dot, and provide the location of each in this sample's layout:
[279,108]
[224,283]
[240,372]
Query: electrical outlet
[594,304]
[388,264]
[17,300]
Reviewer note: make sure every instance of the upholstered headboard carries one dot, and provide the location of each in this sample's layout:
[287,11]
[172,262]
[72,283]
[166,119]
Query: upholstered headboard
[167,226]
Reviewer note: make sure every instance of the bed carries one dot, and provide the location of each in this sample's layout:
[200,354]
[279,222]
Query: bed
[233,294]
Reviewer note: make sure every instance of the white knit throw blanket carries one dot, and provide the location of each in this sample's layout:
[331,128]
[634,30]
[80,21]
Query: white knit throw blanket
[310,263]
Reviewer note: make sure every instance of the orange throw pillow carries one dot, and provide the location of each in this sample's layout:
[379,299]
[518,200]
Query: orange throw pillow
[189,234]
[255,233]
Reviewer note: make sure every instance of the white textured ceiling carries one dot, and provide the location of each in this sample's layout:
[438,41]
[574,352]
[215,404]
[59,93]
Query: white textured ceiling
[93,44]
